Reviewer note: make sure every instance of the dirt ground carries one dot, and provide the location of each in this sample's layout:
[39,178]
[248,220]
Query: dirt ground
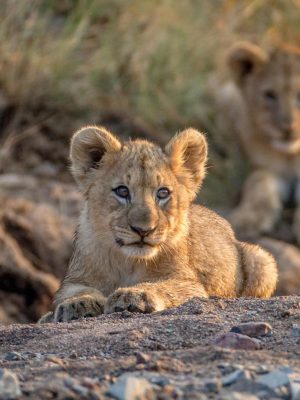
[174,351]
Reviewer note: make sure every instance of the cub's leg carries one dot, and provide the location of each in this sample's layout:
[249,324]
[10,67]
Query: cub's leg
[260,206]
[156,296]
[74,301]
[260,271]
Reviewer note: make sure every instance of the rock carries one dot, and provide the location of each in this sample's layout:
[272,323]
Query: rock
[129,387]
[295,390]
[213,386]
[274,379]
[234,376]
[296,329]
[253,329]
[12,356]
[141,358]
[74,385]
[9,385]
[238,396]
[232,340]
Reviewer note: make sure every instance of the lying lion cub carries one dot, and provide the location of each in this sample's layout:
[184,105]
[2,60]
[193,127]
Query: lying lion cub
[142,245]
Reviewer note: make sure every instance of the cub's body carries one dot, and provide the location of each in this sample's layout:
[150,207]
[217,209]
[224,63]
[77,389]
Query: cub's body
[142,245]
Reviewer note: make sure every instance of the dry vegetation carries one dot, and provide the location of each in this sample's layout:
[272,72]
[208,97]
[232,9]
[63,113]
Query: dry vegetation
[147,62]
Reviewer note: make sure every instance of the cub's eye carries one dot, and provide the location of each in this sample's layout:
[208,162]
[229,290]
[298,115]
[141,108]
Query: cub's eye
[122,191]
[270,95]
[163,193]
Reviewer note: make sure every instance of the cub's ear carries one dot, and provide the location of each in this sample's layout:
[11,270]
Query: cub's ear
[88,146]
[244,58]
[187,152]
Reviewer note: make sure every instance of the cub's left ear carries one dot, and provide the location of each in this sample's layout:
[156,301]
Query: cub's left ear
[187,152]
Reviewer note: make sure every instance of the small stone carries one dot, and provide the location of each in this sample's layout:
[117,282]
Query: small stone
[9,385]
[130,388]
[274,379]
[141,358]
[55,360]
[74,385]
[213,386]
[160,380]
[73,355]
[296,329]
[295,390]
[239,396]
[234,376]
[126,314]
[12,356]
[253,329]
[232,340]
[170,392]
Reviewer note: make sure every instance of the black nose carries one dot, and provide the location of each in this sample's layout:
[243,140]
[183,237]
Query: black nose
[141,231]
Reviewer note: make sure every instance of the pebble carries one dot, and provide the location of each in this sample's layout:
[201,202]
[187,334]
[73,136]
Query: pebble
[234,376]
[12,356]
[131,388]
[141,358]
[237,341]
[9,385]
[239,396]
[253,329]
[296,329]
[295,390]
[274,379]
[74,385]
[213,386]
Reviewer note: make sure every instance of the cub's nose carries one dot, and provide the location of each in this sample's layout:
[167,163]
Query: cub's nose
[143,232]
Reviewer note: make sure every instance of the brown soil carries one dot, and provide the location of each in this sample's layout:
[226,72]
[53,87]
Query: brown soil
[174,350]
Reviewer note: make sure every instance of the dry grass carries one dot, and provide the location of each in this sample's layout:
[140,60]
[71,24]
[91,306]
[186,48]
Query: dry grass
[147,61]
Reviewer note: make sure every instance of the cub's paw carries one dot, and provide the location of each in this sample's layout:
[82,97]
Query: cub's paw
[83,306]
[134,300]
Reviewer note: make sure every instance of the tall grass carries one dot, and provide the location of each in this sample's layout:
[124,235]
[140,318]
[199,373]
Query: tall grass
[147,61]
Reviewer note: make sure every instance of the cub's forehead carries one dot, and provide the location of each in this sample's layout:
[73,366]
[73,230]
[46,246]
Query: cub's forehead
[142,163]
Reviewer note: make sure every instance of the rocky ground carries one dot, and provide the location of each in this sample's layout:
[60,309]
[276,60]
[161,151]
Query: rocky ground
[187,352]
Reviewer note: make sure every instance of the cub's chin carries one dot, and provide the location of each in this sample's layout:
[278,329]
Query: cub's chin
[288,147]
[139,251]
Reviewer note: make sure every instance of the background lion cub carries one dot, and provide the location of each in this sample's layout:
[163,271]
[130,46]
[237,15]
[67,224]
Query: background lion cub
[142,245]
[261,107]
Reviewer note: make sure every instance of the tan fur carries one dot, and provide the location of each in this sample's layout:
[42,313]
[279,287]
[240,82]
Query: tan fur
[190,250]
[261,106]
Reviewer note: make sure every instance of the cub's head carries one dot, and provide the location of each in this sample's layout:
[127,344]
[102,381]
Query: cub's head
[270,83]
[138,195]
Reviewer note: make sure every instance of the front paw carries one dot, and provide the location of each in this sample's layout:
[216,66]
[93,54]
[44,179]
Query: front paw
[134,300]
[83,306]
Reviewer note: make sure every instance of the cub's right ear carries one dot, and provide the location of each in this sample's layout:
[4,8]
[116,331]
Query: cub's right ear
[244,58]
[88,146]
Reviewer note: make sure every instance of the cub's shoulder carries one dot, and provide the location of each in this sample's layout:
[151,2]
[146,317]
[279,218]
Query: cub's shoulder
[203,220]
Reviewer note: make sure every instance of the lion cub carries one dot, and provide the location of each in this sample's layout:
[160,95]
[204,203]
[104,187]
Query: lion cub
[142,245]
[260,105]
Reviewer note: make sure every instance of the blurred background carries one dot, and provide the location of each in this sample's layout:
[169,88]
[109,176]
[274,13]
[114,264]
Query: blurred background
[141,68]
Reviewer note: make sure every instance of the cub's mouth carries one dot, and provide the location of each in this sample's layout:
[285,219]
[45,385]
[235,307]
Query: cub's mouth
[137,248]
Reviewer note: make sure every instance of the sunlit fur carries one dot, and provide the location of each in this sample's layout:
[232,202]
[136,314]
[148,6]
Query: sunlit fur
[191,252]
[261,106]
